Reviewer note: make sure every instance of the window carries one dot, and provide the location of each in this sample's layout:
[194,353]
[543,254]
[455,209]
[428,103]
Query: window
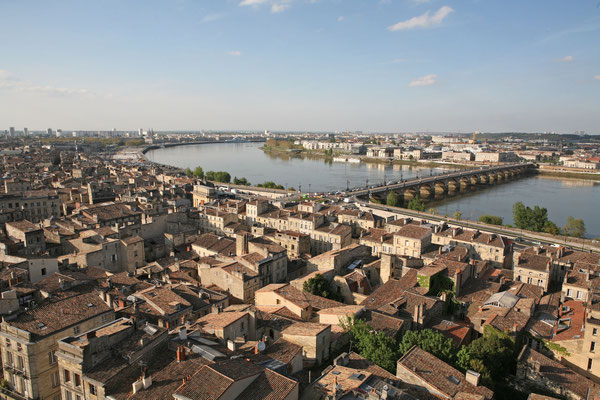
[20,363]
[9,358]
[592,347]
[589,364]
[76,330]
[77,380]
[67,376]
[68,395]
[595,331]
[55,379]
[92,390]
[8,343]
[569,292]
[43,271]
[51,357]
[579,294]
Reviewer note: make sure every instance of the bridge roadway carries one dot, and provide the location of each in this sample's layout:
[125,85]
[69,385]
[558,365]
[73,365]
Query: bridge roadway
[472,176]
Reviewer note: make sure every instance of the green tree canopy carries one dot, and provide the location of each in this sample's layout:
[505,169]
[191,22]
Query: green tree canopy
[492,355]
[241,181]
[319,286]
[533,219]
[199,172]
[431,341]
[218,176]
[270,185]
[457,215]
[491,219]
[416,204]
[392,199]
[574,227]
[374,346]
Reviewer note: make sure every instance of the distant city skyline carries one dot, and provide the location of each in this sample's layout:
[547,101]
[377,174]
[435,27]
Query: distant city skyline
[301,65]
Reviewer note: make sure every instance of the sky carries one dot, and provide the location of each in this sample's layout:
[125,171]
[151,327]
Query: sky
[301,65]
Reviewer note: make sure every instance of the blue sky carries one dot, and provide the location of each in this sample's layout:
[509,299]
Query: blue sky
[372,65]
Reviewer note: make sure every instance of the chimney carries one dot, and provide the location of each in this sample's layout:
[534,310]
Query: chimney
[180,353]
[147,381]
[472,377]
[241,244]
[440,250]
[515,327]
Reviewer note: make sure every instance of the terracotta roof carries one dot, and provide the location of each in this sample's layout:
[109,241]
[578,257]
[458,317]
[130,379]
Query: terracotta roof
[390,290]
[305,329]
[433,371]
[556,372]
[55,316]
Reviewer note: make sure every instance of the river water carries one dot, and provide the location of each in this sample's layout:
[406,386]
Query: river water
[561,196]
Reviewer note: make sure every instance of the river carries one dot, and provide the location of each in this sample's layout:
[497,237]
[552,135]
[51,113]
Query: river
[562,197]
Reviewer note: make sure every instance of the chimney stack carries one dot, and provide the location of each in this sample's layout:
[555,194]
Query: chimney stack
[472,377]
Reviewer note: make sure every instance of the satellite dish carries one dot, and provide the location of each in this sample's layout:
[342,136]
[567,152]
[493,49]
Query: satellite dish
[261,346]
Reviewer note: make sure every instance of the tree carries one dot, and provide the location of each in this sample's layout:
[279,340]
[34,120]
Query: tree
[491,219]
[551,228]
[218,176]
[319,286]
[457,215]
[433,211]
[533,219]
[574,227]
[392,199]
[374,346]
[492,355]
[431,341]
[188,173]
[241,181]
[199,172]
[416,204]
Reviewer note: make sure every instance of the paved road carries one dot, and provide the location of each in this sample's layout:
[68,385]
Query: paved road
[527,238]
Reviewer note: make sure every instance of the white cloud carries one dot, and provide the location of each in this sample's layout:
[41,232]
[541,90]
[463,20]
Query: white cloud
[597,77]
[423,21]
[426,80]
[278,7]
[340,18]
[212,17]
[234,53]
[252,2]
[567,59]
[12,83]
[421,1]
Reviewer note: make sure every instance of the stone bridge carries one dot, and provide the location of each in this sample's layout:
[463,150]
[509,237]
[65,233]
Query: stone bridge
[448,183]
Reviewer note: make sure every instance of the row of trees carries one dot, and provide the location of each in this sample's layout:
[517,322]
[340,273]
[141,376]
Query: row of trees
[532,219]
[270,185]
[493,355]
[217,176]
[536,219]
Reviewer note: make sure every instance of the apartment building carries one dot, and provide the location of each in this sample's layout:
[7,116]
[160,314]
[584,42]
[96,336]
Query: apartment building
[28,342]
[82,359]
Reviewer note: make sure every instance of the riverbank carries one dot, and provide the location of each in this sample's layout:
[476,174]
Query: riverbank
[167,145]
[317,154]
[574,175]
